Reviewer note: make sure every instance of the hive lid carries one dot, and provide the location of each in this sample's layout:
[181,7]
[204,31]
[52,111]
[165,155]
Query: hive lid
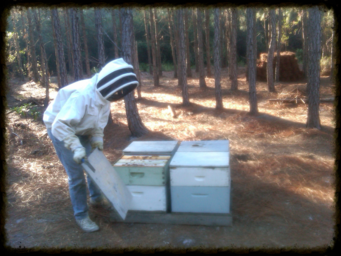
[150,148]
[142,161]
[204,146]
[200,159]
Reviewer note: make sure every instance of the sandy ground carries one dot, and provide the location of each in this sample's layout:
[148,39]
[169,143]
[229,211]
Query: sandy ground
[282,191]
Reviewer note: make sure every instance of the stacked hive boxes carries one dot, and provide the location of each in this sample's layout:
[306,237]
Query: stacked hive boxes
[200,177]
[144,169]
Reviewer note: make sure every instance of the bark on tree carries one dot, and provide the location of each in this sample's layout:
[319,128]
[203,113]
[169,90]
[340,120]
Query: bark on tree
[189,70]
[146,28]
[60,48]
[270,71]
[153,45]
[55,44]
[233,51]
[28,51]
[100,43]
[137,71]
[223,40]
[202,82]
[69,42]
[195,39]
[177,43]
[157,41]
[76,43]
[217,76]
[32,48]
[304,39]
[113,16]
[182,58]
[332,56]
[16,44]
[207,36]
[251,57]
[314,55]
[85,42]
[170,27]
[280,17]
[228,28]
[135,124]
[43,59]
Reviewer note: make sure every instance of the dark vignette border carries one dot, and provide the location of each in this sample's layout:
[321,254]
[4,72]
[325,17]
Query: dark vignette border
[5,9]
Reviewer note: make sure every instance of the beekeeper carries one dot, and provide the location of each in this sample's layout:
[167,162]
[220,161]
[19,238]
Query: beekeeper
[75,121]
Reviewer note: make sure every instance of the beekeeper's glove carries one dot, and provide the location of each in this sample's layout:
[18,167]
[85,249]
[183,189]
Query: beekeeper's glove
[79,154]
[97,139]
[97,143]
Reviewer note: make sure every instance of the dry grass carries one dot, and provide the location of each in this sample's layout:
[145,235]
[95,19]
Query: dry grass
[281,172]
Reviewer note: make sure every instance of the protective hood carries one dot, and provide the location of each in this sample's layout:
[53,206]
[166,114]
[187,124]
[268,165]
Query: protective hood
[116,80]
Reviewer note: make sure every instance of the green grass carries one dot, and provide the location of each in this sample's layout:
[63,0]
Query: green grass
[27,109]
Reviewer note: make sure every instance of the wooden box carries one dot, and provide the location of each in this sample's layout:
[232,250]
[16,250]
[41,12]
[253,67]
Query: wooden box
[151,148]
[143,170]
[148,198]
[200,179]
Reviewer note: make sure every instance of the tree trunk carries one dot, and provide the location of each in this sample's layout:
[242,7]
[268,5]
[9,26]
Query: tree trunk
[332,55]
[55,44]
[145,17]
[207,34]
[202,82]
[60,48]
[69,42]
[189,70]
[135,124]
[28,50]
[170,25]
[218,97]
[137,71]
[100,43]
[113,16]
[16,44]
[75,43]
[314,55]
[223,40]
[195,39]
[43,59]
[158,53]
[228,29]
[32,48]
[270,71]
[85,41]
[152,35]
[251,56]
[305,42]
[182,58]
[280,17]
[233,51]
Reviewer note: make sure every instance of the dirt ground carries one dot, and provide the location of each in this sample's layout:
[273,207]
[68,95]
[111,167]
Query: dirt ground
[282,178]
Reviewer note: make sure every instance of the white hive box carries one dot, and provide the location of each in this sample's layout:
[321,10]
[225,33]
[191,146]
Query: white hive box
[166,147]
[145,177]
[144,168]
[200,177]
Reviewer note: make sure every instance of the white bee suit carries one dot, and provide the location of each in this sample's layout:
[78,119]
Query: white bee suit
[83,109]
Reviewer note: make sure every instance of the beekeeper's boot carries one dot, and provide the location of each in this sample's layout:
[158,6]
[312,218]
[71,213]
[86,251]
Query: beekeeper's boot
[87,225]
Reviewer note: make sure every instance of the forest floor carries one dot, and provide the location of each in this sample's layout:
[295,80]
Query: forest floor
[282,178]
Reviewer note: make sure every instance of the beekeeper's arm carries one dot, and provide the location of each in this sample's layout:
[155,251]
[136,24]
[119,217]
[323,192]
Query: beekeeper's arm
[98,133]
[63,127]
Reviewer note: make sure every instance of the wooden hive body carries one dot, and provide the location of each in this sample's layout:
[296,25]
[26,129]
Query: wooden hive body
[144,169]
[200,177]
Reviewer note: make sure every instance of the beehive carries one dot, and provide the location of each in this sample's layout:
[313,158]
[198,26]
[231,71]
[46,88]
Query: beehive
[200,177]
[144,169]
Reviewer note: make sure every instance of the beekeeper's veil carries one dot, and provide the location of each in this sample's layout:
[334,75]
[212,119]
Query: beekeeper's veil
[116,80]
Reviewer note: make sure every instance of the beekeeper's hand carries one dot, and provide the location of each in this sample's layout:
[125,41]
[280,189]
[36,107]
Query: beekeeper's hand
[78,154]
[97,144]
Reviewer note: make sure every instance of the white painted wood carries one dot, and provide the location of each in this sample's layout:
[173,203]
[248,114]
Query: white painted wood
[199,176]
[204,146]
[200,159]
[107,179]
[150,148]
[148,198]
[140,163]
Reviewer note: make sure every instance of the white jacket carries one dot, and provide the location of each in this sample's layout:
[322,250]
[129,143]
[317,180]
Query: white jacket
[82,108]
[78,109]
